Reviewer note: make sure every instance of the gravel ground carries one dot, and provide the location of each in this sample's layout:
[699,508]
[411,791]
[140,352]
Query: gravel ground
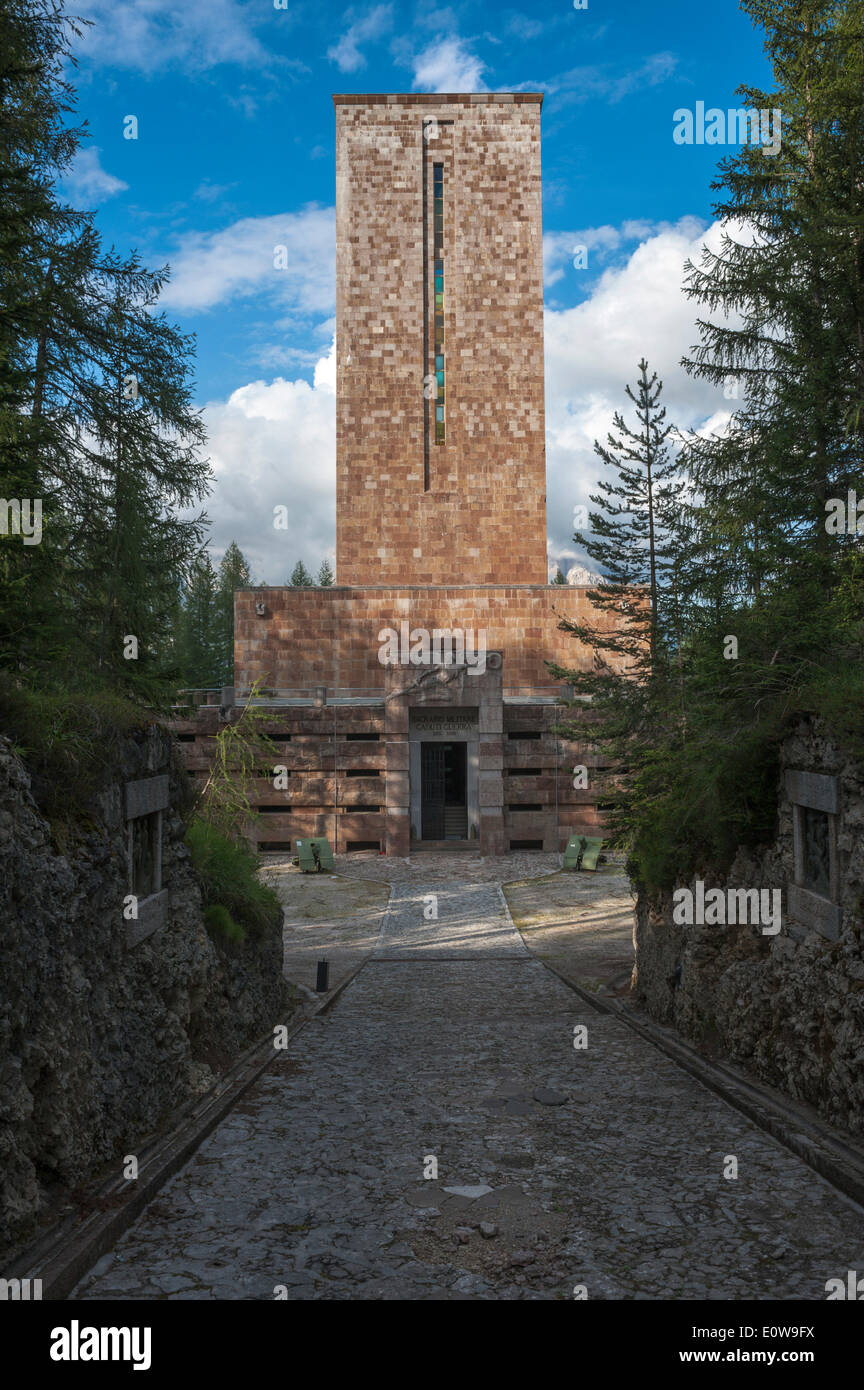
[581,923]
[560,1170]
[329,917]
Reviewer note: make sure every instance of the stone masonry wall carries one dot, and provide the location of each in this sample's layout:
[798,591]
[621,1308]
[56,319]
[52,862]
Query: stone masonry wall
[789,1007]
[482,517]
[98,1039]
[333,777]
[329,636]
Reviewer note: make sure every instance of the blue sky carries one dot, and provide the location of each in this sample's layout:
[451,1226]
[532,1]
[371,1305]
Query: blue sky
[235,154]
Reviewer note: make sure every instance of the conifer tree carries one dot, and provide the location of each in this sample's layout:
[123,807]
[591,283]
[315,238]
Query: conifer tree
[300,576]
[325,574]
[96,418]
[759,611]
[629,535]
[234,573]
[37,146]
[200,653]
[784,328]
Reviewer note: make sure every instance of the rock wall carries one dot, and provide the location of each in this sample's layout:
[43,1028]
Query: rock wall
[99,1038]
[789,1007]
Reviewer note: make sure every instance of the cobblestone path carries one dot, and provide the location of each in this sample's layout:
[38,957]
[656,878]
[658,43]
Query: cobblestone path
[559,1169]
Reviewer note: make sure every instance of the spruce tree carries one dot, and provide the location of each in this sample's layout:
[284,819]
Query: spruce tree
[200,654]
[325,574]
[38,232]
[300,576]
[234,573]
[784,327]
[759,608]
[144,473]
[96,418]
[628,540]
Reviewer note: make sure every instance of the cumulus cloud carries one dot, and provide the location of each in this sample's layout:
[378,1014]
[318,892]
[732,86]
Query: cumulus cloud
[448,65]
[85,181]
[273,444]
[150,34]
[636,309]
[346,53]
[559,248]
[210,268]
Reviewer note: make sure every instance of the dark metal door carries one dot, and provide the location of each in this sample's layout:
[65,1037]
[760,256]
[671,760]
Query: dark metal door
[432,790]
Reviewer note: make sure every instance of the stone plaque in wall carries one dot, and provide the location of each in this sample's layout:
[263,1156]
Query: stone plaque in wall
[814,789]
[153,913]
[145,796]
[446,724]
[813,897]
[813,911]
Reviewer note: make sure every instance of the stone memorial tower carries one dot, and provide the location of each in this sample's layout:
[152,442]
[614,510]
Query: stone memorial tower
[440,510]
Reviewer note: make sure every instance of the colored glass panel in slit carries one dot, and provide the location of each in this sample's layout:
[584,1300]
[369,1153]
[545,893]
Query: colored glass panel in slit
[438,290]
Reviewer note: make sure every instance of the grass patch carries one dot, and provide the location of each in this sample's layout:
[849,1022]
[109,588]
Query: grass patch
[229,874]
[66,741]
[220,923]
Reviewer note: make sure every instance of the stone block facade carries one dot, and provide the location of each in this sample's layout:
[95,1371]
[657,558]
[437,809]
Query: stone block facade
[472,507]
[304,638]
[350,768]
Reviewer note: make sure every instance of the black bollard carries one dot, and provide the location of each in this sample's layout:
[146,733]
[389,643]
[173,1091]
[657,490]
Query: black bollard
[322,982]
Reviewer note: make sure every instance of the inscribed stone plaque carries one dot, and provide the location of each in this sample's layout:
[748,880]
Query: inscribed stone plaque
[152,915]
[814,789]
[447,724]
[812,911]
[145,796]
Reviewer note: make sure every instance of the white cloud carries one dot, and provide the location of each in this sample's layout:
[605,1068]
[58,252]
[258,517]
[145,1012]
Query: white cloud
[598,82]
[448,65]
[559,248]
[211,268]
[274,444]
[209,192]
[346,53]
[635,310]
[86,181]
[151,34]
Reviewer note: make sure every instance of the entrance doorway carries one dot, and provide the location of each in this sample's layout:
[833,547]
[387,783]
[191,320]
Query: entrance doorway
[443,791]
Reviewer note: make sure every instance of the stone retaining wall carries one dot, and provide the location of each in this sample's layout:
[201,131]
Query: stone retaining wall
[790,1006]
[107,1023]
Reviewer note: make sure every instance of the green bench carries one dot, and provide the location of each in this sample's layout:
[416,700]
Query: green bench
[582,852]
[314,856]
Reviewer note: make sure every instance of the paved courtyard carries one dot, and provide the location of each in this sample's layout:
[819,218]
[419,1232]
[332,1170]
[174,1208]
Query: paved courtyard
[560,1170]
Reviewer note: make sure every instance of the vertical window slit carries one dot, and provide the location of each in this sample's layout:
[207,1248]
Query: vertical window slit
[438,256]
